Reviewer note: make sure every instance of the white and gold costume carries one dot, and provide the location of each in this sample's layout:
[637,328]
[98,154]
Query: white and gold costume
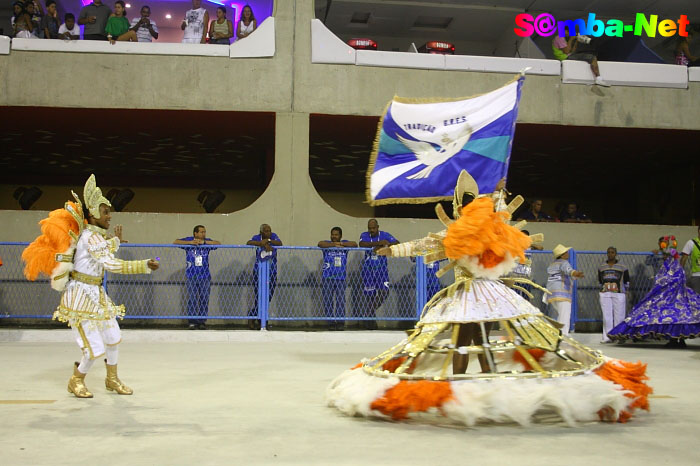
[76,255]
[530,368]
[84,305]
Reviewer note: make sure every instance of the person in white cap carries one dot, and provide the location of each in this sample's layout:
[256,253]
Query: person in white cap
[560,282]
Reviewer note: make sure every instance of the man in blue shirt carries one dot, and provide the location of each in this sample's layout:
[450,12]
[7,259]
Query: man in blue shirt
[375,271]
[335,261]
[198,278]
[265,242]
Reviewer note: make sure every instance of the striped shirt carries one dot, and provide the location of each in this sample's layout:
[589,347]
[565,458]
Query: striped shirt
[613,278]
[559,281]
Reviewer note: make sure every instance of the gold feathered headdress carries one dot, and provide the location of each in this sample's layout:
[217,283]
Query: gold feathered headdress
[93,197]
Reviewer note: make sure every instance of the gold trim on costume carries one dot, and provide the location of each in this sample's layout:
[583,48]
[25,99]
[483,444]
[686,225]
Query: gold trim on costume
[87,279]
[86,342]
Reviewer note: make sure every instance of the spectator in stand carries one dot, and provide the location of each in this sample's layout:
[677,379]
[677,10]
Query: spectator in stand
[198,277]
[573,215]
[578,48]
[35,13]
[266,252]
[375,269]
[335,261]
[94,17]
[69,30]
[535,214]
[21,22]
[247,24]
[692,250]
[144,27]
[682,51]
[221,29]
[560,277]
[50,23]
[195,24]
[117,27]
[614,279]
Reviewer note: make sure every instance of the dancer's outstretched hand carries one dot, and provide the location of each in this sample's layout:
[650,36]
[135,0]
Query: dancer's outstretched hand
[384,252]
[153,264]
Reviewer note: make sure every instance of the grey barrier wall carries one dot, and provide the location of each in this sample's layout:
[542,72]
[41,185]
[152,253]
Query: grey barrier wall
[294,288]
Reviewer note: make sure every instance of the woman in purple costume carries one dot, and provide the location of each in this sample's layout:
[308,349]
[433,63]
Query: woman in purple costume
[669,311]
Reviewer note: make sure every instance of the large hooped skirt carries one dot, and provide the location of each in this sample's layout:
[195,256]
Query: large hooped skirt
[533,368]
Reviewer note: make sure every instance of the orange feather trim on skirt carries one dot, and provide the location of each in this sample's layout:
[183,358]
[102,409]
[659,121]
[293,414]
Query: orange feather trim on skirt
[631,376]
[409,397]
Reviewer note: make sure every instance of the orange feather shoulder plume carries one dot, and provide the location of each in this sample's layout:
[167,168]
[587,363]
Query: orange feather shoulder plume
[55,238]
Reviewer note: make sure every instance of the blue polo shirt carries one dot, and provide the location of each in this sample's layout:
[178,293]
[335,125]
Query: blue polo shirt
[260,254]
[335,261]
[372,259]
[197,259]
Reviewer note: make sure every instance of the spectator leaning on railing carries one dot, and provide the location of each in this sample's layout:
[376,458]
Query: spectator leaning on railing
[535,214]
[117,27]
[375,269]
[69,30]
[572,215]
[266,252]
[221,29]
[692,250]
[247,24]
[144,27]
[94,17]
[335,261]
[197,275]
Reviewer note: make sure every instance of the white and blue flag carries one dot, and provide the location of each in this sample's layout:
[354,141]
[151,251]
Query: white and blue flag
[422,147]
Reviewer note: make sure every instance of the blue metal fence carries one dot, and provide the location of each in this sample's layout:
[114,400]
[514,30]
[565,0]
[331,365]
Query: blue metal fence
[290,286]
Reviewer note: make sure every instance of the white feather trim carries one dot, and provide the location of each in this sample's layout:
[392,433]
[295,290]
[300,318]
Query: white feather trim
[63,268]
[471,263]
[353,391]
[574,399]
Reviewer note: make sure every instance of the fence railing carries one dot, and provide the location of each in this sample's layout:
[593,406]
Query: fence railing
[290,285]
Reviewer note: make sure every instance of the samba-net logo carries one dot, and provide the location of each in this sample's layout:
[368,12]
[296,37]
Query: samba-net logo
[546,25]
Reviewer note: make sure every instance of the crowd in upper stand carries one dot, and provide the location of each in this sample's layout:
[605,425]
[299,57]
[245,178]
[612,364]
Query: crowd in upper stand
[31,21]
[566,212]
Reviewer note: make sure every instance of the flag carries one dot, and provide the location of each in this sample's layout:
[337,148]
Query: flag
[420,148]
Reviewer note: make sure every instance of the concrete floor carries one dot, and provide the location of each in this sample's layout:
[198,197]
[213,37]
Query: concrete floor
[257,398]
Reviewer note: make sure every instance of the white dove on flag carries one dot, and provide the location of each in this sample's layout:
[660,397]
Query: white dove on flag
[431,158]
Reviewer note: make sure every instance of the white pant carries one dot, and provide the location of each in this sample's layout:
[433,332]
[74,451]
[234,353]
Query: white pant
[93,337]
[613,306]
[562,313]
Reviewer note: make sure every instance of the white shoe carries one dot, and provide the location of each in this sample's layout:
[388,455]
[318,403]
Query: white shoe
[606,341]
[599,81]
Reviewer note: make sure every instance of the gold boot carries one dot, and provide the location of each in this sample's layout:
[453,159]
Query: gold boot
[113,383]
[76,384]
